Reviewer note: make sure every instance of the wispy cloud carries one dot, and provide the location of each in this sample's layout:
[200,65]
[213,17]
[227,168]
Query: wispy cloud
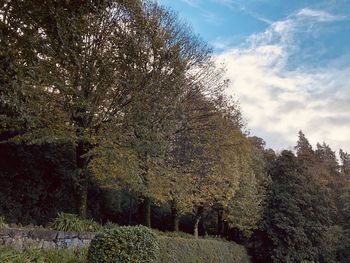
[278,100]
[212,18]
[193,3]
[318,14]
[238,5]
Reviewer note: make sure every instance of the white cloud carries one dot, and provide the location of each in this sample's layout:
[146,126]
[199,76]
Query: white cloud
[221,43]
[278,101]
[318,14]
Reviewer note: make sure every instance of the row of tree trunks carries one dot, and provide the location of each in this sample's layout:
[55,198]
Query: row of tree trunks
[146,215]
[222,226]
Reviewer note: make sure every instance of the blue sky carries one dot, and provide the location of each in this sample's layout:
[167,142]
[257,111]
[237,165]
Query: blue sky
[288,62]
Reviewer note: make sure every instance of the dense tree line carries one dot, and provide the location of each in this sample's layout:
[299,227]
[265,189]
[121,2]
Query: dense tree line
[115,110]
[137,97]
[305,217]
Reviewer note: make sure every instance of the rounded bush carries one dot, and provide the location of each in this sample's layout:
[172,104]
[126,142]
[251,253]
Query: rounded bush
[124,244]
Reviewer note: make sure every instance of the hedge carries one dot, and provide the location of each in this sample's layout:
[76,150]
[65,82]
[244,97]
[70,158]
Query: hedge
[124,245]
[180,250]
[140,244]
[135,245]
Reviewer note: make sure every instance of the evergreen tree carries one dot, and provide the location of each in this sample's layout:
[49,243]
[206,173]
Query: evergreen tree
[297,217]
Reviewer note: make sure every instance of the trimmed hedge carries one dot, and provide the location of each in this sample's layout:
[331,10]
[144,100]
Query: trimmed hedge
[180,250]
[140,244]
[124,244]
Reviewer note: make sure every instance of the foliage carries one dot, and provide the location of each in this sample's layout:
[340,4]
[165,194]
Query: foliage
[95,75]
[212,164]
[37,182]
[34,255]
[3,222]
[201,250]
[110,224]
[71,222]
[343,252]
[245,210]
[298,215]
[124,244]
[128,82]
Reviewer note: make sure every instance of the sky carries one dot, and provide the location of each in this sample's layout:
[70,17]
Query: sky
[288,62]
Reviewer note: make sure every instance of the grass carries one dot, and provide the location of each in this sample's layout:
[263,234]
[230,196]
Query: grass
[3,223]
[34,255]
[71,222]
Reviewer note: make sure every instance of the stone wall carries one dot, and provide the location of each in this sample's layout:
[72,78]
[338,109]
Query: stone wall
[21,238]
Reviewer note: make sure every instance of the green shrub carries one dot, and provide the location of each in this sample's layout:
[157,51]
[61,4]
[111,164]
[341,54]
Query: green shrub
[71,222]
[110,224]
[124,244]
[2,222]
[31,255]
[182,250]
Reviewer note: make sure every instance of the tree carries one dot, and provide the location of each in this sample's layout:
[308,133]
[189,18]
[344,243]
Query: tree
[150,119]
[78,67]
[298,215]
[213,164]
[245,208]
[344,163]
[343,205]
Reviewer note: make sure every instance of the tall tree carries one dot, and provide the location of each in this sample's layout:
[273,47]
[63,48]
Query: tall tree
[298,216]
[150,119]
[78,67]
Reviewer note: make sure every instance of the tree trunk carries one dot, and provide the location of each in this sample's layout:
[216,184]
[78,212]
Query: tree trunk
[175,218]
[197,220]
[225,230]
[195,229]
[220,223]
[83,200]
[130,210]
[146,212]
[146,204]
[82,164]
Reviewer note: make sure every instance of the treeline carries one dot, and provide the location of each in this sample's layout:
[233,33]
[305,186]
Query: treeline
[307,213]
[115,110]
[138,104]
